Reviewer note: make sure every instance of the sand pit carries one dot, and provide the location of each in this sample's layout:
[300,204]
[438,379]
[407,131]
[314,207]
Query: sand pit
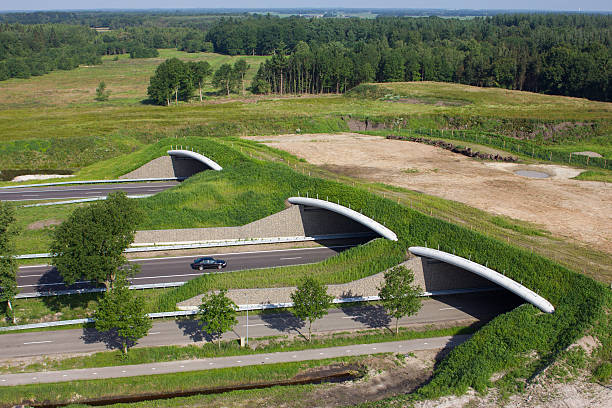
[581,210]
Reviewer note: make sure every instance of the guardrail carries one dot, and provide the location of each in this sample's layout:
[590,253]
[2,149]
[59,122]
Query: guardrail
[80,200]
[64,183]
[168,246]
[241,308]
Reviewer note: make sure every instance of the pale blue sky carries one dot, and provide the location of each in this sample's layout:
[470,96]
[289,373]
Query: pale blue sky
[586,5]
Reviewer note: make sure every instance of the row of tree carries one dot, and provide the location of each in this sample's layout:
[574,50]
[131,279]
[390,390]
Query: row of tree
[98,234]
[557,54]
[177,80]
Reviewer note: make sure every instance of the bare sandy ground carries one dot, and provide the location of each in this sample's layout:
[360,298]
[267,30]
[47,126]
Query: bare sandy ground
[581,210]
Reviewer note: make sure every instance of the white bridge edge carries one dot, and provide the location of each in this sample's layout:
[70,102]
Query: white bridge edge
[347,212]
[487,273]
[196,156]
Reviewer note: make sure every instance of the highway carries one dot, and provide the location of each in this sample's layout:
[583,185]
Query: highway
[41,278]
[438,310]
[77,191]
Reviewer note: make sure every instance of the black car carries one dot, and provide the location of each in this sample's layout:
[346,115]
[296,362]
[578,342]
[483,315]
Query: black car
[208,262]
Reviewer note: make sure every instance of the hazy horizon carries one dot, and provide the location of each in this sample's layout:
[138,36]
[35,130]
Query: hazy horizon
[186,5]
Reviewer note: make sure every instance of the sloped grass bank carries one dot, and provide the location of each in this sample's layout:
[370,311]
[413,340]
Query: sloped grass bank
[579,300]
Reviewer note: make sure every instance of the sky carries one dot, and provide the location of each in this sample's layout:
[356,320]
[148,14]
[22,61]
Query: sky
[585,5]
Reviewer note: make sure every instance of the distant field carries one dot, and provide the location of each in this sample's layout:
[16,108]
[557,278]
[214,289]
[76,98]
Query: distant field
[127,79]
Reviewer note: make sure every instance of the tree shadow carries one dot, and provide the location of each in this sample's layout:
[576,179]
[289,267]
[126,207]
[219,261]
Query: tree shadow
[373,316]
[283,322]
[50,282]
[193,328]
[110,338]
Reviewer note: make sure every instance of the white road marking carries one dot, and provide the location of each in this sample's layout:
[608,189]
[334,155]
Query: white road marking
[167,276]
[182,366]
[29,276]
[50,284]
[347,317]
[425,343]
[293,257]
[239,361]
[373,348]
[267,358]
[65,375]
[123,371]
[321,354]
[450,308]
[243,253]
[154,332]
[39,342]
[256,324]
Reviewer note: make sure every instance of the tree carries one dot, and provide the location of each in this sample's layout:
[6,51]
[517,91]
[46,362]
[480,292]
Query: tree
[240,68]
[8,265]
[225,77]
[122,310]
[200,70]
[89,245]
[311,301]
[101,93]
[398,296]
[218,313]
[171,79]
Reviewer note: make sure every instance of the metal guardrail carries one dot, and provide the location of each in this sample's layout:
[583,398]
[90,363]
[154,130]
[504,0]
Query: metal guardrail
[64,183]
[81,200]
[169,246]
[242,308]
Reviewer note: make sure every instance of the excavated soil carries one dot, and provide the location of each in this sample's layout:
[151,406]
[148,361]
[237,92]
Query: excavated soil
[581,210]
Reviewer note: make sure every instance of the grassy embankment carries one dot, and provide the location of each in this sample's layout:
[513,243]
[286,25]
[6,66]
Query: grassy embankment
[231,192]
[74,391]
[579,301]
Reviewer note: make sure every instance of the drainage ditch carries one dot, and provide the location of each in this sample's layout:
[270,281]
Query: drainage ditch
[327,375]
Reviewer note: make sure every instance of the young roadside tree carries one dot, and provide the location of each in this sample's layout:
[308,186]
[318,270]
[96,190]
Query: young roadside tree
[240,68]
[89,245]
[101,93]
[225,77]
[200,70]
[8,265]
[123,311]
[311,301]
[398,296]
[218,314]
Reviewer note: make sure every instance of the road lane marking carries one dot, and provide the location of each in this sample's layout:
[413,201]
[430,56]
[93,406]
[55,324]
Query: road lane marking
[293,257]
[123,371]
[168,276]
[348,317]
[243,253]
[39,342]
[256,324]
[51,284]
[154,332]
[29,276]
[450,308]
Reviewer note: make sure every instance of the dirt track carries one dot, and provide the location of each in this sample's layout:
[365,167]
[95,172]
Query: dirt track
[581,210]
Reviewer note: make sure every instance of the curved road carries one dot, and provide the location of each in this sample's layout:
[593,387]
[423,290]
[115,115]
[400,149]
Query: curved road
[78,191]
[42,278]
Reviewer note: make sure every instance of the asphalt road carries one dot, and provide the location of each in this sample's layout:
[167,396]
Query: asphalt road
[177,269]
[402,347]
[82,191]
[436,310]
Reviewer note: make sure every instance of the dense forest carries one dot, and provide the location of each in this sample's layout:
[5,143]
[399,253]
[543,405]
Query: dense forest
[550,53]
[564,54]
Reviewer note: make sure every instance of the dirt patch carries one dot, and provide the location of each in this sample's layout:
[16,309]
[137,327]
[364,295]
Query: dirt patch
[588,153]
[43,224]
[387,376]
[580,210]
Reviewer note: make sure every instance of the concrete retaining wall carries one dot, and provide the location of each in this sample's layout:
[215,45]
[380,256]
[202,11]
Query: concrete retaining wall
[160,167]
[167,166]
[291,222]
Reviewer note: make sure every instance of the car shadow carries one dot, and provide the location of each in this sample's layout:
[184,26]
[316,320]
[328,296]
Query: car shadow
[193,328]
